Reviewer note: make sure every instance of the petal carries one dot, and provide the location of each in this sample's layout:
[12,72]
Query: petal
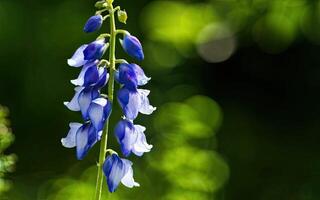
[125,134]
[70,140]
[130,102]
[117,172]
[145,107]
[85,98]
[96,113]
[74,104]
[86,137]
[127,76]
[141,77]
[140,146]
[128,180]
[91,76]
[108,165]
[87,72]
[94,50]
[77,60]
[103,78]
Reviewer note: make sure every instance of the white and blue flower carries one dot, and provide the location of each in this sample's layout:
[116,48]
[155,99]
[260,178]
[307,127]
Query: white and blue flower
[131,138]
[118,170]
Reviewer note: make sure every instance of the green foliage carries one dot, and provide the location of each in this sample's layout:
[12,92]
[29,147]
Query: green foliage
[191,170]
[6,139]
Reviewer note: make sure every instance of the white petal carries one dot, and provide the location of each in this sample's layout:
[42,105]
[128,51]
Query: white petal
[70,140]
[96,115]
[74,104]
[100,101]
[145,107]
[128,180]
[141,146]
[77,60]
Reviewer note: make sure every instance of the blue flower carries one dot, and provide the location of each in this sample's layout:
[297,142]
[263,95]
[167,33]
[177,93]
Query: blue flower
[93,24]
[83,137]
[131,138]
[118,169]
[99,110]
[133,47]
[87,53]
[91,75]
[133,102]
[131,75]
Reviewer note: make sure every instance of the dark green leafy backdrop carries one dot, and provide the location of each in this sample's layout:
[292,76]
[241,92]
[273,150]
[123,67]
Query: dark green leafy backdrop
[236,83]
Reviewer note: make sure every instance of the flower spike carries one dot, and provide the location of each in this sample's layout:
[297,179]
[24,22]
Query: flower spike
[95,101]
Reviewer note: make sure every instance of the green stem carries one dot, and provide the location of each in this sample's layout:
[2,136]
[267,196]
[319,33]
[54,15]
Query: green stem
[103,147]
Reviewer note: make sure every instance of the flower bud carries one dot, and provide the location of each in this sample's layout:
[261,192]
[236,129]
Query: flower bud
[93,24]
[133,47]
[101,4]
[122,16]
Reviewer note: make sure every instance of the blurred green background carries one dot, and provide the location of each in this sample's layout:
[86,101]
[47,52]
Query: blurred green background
[236,83]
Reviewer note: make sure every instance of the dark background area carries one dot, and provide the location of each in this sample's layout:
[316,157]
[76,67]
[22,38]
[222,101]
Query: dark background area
[268,90]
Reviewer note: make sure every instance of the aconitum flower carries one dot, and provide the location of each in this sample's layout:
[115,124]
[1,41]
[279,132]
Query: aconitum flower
[95,101]
[93,24]
[133,47]
[81,136]
[133,102]
[131,75]
[118,170]
[92,75]
[88,53]
[131,138]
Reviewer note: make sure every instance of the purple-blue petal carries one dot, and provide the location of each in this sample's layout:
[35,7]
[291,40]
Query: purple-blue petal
[94,50]
[125,134]
[98,112]
[103,78]
[86,137]
[142,79]
[115,173]
[130,102]
[91,76]
[127,76]
[85,98]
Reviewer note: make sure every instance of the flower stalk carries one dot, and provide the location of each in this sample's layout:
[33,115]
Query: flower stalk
[104,140]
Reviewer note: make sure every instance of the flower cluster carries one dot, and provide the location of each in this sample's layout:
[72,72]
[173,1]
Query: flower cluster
[96,107]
